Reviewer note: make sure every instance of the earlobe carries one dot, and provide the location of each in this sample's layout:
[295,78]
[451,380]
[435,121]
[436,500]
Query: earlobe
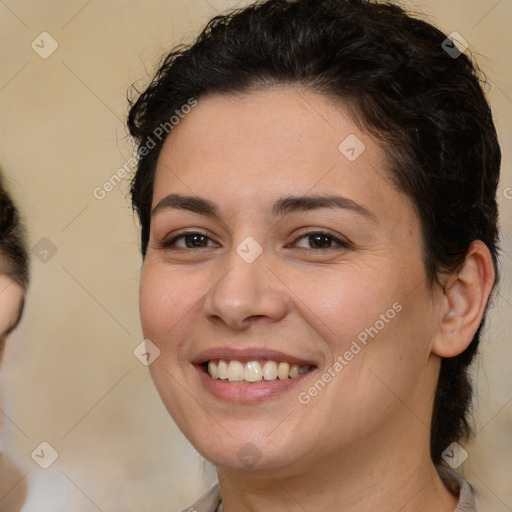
[465,297]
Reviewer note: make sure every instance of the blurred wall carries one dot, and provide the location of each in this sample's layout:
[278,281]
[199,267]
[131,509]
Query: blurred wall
[69,377]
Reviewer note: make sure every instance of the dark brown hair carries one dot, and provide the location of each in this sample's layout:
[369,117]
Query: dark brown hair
[14,260]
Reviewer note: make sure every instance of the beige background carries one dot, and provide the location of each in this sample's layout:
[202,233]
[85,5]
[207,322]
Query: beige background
[70,377]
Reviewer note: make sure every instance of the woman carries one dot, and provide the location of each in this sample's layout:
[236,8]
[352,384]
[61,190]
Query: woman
[14,278]
[316,189]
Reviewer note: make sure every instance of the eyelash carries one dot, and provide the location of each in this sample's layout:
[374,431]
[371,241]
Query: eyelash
[343,244]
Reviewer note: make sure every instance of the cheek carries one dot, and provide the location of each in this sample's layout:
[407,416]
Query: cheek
[164,299]
[350,304]
[373,322]
[170,302]
[164,303]
[152,304]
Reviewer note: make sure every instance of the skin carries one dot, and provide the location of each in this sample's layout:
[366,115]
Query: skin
[363,442]
[12,496]
[11,296]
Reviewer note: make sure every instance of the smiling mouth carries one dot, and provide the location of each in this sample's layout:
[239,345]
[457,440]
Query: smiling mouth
[255,371]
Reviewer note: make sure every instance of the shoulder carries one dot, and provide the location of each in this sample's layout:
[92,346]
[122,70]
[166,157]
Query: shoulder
[208,502]
[460,487]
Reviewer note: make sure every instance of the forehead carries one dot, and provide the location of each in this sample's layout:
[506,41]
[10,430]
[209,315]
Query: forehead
[248,147]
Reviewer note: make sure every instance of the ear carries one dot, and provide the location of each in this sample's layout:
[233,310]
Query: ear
[465,298]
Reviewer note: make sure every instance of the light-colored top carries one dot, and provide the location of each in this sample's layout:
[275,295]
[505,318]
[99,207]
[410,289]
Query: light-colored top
[458,486]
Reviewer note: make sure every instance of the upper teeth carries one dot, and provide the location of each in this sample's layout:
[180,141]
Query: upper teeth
[253,371]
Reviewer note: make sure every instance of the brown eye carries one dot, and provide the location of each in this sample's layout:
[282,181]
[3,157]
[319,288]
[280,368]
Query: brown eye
[191,240]
[321,240]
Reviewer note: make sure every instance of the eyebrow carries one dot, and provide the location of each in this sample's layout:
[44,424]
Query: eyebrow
[283,206]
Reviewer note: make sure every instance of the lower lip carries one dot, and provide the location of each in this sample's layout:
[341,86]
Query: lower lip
[246,393]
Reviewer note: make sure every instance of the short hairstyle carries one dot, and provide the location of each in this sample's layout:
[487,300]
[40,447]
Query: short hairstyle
[426,106]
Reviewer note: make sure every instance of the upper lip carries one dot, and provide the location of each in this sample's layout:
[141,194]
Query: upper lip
[250,354]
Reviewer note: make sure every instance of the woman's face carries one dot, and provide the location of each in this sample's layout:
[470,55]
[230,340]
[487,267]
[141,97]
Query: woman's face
[320,282]
[11,296]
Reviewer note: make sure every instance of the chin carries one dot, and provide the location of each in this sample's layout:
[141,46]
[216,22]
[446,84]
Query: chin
[245,453]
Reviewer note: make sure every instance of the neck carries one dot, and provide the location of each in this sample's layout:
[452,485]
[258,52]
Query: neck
[370,477]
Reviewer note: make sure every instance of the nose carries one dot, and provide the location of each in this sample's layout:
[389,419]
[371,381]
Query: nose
[245,293]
